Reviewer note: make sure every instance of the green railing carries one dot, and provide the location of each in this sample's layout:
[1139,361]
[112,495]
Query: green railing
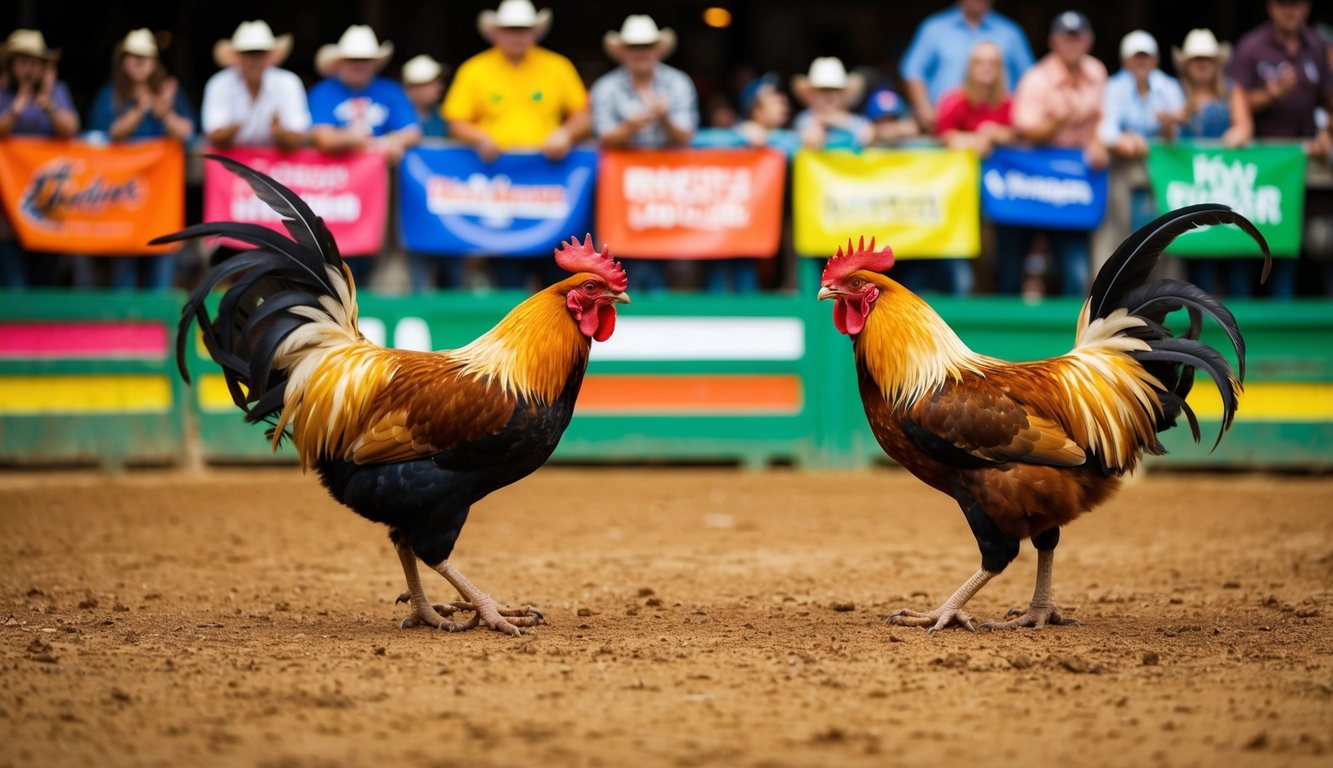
[687,378]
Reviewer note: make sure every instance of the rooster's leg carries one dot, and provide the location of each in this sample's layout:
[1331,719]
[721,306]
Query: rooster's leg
[509,621]
[422,610]
[1042,610]
[949,613]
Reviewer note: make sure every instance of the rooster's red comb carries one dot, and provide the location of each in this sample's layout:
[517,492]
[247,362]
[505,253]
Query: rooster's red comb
[574,256]
[857,257]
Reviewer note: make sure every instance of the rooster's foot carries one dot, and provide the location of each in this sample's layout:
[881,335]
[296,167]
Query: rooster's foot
[1033,616]
[432,616]
[936,620]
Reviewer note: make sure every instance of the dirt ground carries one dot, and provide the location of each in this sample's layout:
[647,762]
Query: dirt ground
[697,617]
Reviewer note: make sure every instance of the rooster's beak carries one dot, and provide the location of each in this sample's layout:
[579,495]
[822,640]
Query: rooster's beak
[620,298]
[827,293]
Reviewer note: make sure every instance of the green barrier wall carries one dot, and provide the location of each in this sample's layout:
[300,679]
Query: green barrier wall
[816,420]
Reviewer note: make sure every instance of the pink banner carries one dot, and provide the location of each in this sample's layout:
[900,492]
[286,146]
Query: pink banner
[350,192]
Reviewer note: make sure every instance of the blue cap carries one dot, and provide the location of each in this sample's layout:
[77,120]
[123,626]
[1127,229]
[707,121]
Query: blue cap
[884,102]
[751,91]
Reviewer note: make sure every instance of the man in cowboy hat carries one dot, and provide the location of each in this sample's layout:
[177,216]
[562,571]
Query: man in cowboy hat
[251,101]
[423,80]
[33,102]
[516,94]
[355,108]
[643,102]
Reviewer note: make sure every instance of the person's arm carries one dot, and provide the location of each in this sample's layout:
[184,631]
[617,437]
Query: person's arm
[476,137]
[682,115]
[332,139]
[171,108]
[1241,129]
[916,61]
[572,131]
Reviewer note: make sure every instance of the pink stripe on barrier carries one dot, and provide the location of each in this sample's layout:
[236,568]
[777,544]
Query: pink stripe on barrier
[55,340]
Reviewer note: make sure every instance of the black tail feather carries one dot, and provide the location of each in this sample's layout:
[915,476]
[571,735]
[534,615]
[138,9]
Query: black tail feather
[1123,283]
[255,314]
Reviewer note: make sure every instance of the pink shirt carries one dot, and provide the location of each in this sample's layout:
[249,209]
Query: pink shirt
[1047,86]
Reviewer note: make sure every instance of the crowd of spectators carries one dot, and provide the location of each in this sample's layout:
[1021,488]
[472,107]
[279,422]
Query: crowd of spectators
[968,78]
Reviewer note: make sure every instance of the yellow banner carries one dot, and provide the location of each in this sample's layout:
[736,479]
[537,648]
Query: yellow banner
[925,203]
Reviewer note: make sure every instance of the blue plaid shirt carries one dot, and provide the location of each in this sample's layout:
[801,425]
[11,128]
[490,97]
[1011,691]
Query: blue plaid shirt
[614,101]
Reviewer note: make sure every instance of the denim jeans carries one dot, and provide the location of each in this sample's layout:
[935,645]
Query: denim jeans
[1070,251]
[736,275]
[1238,277]
[156,272]
[441,273]
[648,276]
[951,277]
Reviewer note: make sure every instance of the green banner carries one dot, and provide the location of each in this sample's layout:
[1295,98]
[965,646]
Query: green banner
[1266,184]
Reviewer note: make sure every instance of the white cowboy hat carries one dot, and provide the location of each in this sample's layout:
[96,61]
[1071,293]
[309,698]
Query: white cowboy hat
[639,30]
[358,42]
[1200,44]
[250,37]
[514,14]
[1137,41]
[139,42]
[421,69]
[828,73]
[28,42]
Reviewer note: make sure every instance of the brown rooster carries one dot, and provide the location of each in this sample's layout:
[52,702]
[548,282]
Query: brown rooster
[1024,448]
[409,439]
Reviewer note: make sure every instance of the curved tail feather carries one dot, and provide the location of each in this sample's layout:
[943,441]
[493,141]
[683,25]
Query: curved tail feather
[1123,284]
[282,286]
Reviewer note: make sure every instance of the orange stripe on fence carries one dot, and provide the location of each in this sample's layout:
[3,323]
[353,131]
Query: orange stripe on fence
[711,393]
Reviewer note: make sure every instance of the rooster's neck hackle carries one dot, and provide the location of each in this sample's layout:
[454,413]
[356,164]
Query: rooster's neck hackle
[533,350]
[908,348]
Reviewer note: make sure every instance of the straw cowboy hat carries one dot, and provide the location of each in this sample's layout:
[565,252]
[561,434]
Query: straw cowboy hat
[514,14]
[358,42]
[828,73]
[639,30]
[1201,44]
[139,42]
[28,42]
[421,69]
[252,37]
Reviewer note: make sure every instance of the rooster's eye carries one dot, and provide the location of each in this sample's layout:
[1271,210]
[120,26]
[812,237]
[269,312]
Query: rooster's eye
[590,287]
[857,282]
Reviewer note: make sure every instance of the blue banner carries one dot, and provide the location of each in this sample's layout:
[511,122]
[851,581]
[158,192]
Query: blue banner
[453,204]
[1049,187]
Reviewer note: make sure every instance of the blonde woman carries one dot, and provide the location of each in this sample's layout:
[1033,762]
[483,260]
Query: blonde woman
[977,115]
[1213,108]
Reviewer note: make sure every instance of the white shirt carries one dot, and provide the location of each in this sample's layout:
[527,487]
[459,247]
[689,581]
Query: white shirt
[227,102]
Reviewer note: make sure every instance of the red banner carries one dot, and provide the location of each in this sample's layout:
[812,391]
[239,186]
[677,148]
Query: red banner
[76,197]
[350,192]
[691,203]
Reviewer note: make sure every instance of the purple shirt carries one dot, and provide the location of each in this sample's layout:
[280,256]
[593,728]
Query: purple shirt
[34,121]
[1255,62]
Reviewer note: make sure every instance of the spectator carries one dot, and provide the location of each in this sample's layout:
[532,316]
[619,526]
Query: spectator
[1213,110]
[643,104]
[1140,100]
[1058,103]
[423,80]
[936,60]
[251,101]
[354,108]
[893,122]
[140,102]
[828,92]
[978,116]
[517,95]
[1283,66]
[32,103]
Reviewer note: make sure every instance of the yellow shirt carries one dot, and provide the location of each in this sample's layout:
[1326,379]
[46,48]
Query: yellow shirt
[519,106]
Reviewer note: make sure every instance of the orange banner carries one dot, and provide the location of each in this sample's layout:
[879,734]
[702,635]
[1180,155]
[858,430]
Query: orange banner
[75,197]
[691,203]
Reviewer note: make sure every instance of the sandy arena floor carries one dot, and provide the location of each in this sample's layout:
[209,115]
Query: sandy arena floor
[698,617]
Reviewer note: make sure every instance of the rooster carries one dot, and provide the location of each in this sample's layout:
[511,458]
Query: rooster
[408,439]
[1024,448]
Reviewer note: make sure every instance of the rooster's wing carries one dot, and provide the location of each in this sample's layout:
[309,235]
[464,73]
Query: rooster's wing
[976,423]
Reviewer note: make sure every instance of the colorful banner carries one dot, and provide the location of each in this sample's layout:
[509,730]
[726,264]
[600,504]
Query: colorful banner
[1050,187]
[1265,183]
[923,202]
[691,203]
[76,197]
[453,204]
[350,192]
